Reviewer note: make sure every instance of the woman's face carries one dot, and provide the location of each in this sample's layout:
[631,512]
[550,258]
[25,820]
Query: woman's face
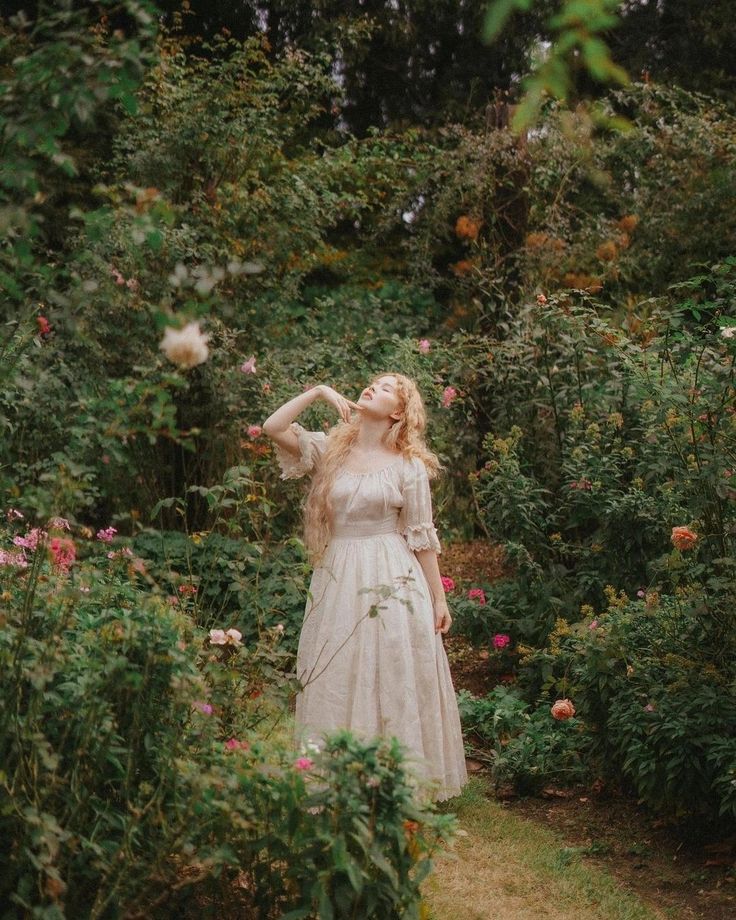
[380,399]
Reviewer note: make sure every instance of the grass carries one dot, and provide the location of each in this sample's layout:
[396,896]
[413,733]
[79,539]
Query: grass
[505,867]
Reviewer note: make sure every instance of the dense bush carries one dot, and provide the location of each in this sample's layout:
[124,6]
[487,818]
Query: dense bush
[524,745]
[132,772]
[660,711]
[608,439]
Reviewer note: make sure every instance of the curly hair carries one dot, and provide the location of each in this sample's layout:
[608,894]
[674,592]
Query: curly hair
[405,436]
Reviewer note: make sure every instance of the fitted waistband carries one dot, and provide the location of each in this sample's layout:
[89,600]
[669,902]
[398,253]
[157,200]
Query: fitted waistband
[359,530]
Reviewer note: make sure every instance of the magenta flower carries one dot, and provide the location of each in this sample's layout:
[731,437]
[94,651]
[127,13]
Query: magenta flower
[107,535]
[448,584]
[501,640]
[424,346]
[249,366]
[303,763]
[206,708]
[254,431]
[448,395]
[477,594]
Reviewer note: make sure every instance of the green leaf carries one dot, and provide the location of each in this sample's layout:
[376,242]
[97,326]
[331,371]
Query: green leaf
[498,15]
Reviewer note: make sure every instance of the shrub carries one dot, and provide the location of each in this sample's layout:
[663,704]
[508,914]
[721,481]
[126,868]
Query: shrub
[132,770]
[525,746]
[658,705]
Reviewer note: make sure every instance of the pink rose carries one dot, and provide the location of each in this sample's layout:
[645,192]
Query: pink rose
[232,744]
[562,710]
[254,431]
[501,640]
[225,637]
[303,763]
[448,584]
[477,594]
[63,553]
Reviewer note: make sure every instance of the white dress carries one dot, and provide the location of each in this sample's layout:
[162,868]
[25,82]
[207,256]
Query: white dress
[385,674]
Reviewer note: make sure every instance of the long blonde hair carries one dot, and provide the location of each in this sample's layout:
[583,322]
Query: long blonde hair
[405,436]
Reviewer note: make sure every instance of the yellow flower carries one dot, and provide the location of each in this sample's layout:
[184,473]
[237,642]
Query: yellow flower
[555,537]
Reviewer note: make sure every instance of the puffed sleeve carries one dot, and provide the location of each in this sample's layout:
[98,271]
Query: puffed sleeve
[415,520]
[311,447]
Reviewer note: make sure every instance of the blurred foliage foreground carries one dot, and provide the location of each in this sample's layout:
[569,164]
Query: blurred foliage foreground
[565,302]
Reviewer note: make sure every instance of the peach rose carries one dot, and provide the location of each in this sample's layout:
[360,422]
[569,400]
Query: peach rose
[683,538]
[562,710]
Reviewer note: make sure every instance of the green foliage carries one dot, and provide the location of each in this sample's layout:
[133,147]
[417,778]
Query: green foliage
[67,71]
[133,775]
[617,439]
[525,746]
[657,706]
[577,31]
[238,584]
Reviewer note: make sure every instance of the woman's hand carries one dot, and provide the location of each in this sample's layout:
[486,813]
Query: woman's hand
[442,618]
[340,403]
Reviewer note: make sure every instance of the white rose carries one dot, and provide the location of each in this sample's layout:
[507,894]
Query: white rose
[186,347]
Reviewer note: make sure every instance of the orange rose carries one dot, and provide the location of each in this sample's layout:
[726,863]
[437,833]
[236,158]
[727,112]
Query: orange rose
[467,228]
[562,710]
[463,267]
[628,223]
[607,251]
[683,538]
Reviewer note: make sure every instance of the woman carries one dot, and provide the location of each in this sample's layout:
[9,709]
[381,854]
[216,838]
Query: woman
[371,656]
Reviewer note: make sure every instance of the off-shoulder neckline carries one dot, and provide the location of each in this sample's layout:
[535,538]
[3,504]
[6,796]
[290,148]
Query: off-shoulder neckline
[374,472]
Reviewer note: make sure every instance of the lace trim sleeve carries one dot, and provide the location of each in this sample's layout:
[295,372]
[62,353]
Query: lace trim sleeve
[311,445]
[422,536]
[417,519]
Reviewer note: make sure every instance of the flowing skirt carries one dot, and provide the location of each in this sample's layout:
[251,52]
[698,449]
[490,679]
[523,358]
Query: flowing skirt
[370,660]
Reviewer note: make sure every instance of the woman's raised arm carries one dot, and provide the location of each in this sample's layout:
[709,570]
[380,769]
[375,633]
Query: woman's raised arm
[277,424]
